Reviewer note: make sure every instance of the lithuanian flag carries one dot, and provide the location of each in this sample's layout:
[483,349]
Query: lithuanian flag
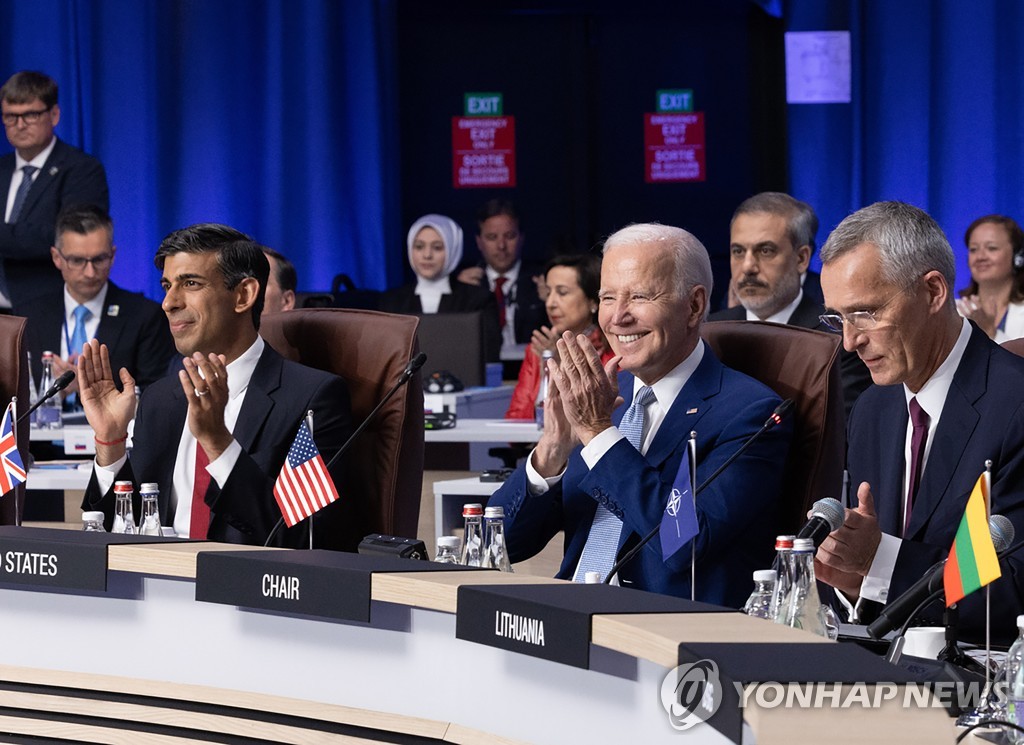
[972,562]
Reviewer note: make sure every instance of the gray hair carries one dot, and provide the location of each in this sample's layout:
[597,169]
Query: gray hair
[910,242]
[801,222]
[692,264]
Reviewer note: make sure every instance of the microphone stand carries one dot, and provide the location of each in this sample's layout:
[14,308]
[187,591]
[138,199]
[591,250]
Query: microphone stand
[58,385]
[411,369]
[776,416]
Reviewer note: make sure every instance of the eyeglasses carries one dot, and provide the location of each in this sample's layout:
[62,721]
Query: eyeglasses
[862,320]
[79,262]
[29,117]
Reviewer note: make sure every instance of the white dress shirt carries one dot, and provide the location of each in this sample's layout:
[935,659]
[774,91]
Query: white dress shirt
[39,161]
[782,316]
[508,333]
[95,306]
[430,292]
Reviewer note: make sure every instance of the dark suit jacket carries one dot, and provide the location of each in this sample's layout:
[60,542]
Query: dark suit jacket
[68,177]
[736,512]
[244,511]
[133,327]
[983,418]
[854,373]
[464,298]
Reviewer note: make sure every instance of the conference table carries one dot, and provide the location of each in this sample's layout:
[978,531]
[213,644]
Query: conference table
[126,639]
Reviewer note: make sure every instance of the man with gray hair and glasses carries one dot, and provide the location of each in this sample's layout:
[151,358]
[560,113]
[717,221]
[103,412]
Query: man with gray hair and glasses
[945,400]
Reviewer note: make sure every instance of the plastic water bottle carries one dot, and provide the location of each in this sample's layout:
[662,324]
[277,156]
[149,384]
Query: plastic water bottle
[805,611]
[48,415]
[473,538]
[759,604]
[1014,676]
[542,389]
[124,519]
[495,554]
[448,549]
[149,522]
[783,567]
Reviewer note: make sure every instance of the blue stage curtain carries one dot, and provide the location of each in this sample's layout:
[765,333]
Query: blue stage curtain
[274,116]
[935,118]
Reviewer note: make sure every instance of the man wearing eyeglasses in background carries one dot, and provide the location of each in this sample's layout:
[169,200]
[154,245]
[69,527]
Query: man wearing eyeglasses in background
[41,177]
[90,306]
[945,399]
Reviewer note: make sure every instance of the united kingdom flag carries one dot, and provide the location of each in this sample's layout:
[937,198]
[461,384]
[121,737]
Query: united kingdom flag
[13,471]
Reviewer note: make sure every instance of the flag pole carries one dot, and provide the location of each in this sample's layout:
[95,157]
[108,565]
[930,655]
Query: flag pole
[988,587]
[309,423]
[691,455]
[14,431]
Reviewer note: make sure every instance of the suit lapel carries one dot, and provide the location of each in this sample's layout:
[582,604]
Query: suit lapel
[892,464]
[111,325]
[45,180]
[259,401]
[806,313]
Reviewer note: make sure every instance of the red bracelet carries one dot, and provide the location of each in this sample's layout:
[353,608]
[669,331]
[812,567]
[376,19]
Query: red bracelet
[118,441]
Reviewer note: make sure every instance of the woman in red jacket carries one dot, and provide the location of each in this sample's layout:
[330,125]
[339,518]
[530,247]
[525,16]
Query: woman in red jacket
[573,283]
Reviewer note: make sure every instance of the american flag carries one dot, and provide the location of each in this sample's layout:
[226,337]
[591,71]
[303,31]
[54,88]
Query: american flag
[304,486]
[13,471]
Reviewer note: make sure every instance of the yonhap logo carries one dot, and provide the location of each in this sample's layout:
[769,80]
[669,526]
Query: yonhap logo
[691,693]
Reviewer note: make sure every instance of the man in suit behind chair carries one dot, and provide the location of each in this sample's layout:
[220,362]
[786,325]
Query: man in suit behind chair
[945,399]
[133,327]
[587,477]
[42,176]
[215,438]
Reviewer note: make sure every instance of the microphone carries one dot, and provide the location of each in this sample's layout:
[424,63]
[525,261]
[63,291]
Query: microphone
[411,369]
[827,515]
[776,417]
[58,385]
[896,613]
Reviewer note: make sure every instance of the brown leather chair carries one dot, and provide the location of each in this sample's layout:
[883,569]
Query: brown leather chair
[1014,345]
[369,350]
[14,382]
[803,365]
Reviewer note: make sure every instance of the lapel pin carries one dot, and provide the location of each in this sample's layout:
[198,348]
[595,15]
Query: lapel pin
[113,310]
[54,170]
[692,411]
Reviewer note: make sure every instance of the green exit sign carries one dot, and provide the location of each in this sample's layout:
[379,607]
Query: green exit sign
[674,100]
[483,104]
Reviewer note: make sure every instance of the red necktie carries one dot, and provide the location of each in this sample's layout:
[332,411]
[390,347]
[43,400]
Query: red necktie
[919,420]
[499,296]
[200,510]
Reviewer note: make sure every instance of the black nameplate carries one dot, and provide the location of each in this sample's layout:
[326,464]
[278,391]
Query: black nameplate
[736,664]
[69,559]
[330,584]
[553,621]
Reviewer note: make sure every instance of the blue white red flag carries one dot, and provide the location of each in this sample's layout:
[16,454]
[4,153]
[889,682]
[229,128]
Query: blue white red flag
[304,486]
[13,471]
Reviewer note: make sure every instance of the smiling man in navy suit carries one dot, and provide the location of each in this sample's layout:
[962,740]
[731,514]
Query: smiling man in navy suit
[603,468]
[945,400]
[90,306]
[42,176]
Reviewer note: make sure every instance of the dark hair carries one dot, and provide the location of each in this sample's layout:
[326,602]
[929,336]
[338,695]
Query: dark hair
[1016,243]
[28,85]
[238,256]
[493,208]
[286,275]
[801,222]
[588,272]
[82,219]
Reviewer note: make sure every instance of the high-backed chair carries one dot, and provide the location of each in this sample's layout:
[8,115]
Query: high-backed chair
[1014,345]
[369,350]
[803,365]
[14,382]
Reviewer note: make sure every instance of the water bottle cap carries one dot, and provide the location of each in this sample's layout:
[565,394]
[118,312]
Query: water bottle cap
[48,356]
[784,541]
[122,487]
[547,354]
[764,575]
[92,517]
[149,486]
[494,512]
[803,544]
[1020,622]
[592,578]
[472,509]
[449,541]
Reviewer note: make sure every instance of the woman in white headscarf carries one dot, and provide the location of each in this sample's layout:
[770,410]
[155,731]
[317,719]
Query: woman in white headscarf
[434,245]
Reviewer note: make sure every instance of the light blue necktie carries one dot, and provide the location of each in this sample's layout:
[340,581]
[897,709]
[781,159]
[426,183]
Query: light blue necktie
[78,338]
[19,201]
[603,541]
